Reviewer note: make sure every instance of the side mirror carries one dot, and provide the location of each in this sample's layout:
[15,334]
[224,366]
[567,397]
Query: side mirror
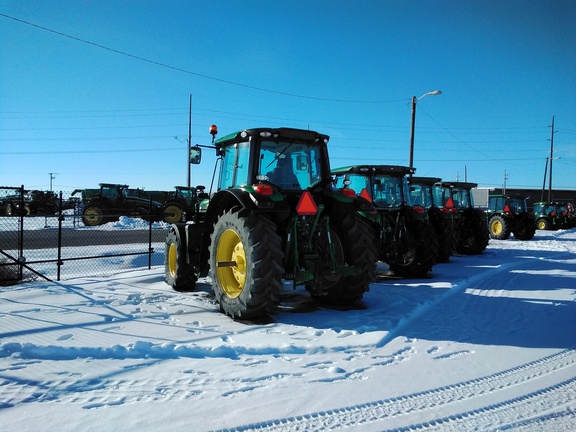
[195,155]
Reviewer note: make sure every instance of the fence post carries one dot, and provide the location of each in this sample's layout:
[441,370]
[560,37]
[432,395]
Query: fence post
[150,249]
[21,258]
[60,220]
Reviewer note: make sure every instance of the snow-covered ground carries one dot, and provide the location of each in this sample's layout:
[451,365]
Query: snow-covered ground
[486,342]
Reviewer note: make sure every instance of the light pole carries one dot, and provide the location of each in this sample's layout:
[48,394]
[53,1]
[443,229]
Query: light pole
[413,123]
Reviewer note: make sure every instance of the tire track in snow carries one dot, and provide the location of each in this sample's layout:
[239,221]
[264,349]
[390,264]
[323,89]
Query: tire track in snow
[525,407]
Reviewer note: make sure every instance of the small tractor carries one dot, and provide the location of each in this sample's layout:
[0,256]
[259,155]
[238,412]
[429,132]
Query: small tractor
[273,217]
[34,202]
[178,205]
[472,231]
[444,220]
[509,215]
[405,238]
[112,201]
[553,215]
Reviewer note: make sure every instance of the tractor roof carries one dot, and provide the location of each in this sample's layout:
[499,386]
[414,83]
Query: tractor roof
[515,196]
[397,170]
[273,133]
[459,184]
[113,185]
[424,180]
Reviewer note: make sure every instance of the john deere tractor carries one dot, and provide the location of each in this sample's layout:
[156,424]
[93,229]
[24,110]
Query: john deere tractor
[273,217]
[444,220]
[472,232]
[509,215]
[405,238]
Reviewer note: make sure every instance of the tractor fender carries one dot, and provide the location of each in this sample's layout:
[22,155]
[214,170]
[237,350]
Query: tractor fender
[227,199]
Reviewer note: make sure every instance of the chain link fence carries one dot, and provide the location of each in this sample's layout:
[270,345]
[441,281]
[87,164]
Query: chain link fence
[47,235]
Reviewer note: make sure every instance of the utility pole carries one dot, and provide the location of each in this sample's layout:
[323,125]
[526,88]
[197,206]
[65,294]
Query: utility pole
[505,178]
[551,157]
[189,137]
[51,178]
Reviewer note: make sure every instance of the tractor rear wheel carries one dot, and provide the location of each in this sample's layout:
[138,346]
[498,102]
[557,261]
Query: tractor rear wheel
[93,216]
[424,255]
[498,227]
[353,242]
[527,229]
[245,264]
[172,213]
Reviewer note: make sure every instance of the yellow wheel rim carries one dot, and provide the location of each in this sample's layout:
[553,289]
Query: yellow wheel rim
[496,227]
[172,259]
[541,225]
[231,263]
[173,214]
[93,215]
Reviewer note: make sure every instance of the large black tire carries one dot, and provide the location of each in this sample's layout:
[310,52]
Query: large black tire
[245,264]
[178,274]
[473,235]
[93,216]
[354,245]
[527,229]
[499,228]
[447,239]
[425,255]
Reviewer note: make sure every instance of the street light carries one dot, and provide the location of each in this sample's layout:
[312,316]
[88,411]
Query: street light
[414,101]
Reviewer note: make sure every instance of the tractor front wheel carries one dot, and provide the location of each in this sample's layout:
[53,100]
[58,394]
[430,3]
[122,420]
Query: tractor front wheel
[178,273]
[245,264]
[542,224]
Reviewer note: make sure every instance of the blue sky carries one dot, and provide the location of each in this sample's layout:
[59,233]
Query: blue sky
[97,91]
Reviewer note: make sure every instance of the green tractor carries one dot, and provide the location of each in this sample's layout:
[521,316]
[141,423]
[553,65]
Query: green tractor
[509,215]
[406,240]
[273,217]
[553,215]
[472,232]
[444,220]
[548,215]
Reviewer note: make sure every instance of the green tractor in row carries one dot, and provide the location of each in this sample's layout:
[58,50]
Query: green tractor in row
[425,191]
[471,229]
[273,217]
[554,215]
[509,215]
[405,238]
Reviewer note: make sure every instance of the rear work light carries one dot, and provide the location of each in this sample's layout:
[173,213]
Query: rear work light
[418,209]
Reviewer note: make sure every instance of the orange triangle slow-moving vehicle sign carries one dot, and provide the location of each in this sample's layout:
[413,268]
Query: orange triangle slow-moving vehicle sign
[306,206]
[366,195]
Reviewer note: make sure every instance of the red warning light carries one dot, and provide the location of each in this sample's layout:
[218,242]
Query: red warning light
[350,193]
[306,206]
[213,130]
[263,189]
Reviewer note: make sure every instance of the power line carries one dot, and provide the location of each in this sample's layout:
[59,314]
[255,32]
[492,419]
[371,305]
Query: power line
[178,69]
